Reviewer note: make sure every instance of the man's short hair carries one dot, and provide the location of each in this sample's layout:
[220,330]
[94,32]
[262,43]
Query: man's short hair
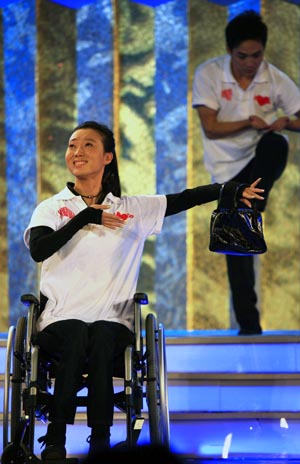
[246,26]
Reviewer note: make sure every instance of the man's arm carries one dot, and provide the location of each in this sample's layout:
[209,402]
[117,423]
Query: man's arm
[293,124]
[215,129]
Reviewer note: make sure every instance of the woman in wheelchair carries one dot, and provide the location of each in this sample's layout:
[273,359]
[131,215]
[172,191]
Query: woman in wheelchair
[90,241]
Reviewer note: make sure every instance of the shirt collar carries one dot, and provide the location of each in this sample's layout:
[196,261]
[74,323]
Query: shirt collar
[65,194]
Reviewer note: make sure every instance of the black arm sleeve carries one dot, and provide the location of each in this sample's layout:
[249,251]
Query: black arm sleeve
[44,241]
[189,198]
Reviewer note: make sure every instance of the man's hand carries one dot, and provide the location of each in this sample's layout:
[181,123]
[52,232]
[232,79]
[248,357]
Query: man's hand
[258,123]
[276,126]
[279,124]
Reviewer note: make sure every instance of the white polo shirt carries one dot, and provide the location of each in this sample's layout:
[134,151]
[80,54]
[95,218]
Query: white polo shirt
[94,275]
[215,87]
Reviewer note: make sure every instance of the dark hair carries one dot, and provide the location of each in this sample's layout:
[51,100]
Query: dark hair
[111,179]
[246,26]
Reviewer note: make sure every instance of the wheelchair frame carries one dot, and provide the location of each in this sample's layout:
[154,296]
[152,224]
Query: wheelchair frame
[25,401]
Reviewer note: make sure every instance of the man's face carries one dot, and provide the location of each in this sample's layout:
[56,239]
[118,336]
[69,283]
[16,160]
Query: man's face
[246,58]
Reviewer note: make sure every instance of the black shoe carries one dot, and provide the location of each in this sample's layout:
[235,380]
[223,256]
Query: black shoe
[53,453]
[99,441]
[54,442]
[257,331]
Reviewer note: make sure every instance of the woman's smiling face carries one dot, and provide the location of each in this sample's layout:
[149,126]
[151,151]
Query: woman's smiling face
[85,155]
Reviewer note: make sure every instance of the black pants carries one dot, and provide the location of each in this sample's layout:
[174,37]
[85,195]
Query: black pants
[94,348]
[269,163]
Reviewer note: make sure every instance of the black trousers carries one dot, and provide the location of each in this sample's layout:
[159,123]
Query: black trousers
[95,349]
[269,163]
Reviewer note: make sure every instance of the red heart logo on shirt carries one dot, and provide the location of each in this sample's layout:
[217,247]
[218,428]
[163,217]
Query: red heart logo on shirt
[261,100]
[66,212]
[124,215]
[227,94]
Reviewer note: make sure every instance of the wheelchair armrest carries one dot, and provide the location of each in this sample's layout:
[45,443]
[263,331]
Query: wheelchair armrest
[141,298]
[33,306]
[28,299]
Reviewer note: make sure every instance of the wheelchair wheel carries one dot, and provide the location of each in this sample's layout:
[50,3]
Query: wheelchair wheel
[7,383]
[18,374]
[156,387]
[14,455]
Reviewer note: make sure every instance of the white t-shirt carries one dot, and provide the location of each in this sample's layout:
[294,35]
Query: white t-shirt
[94,275]
[215,87]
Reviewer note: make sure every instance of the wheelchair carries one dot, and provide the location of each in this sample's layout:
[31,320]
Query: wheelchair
[29,377]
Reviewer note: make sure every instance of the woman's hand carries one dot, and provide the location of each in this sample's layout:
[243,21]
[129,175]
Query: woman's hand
[252,193]
[111,221]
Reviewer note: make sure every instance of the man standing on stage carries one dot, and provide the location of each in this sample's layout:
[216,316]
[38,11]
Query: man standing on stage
[237,97]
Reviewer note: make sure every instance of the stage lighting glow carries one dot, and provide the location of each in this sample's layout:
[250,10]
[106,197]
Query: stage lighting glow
[74,3]
[223,2]
[283,423]
[151,2]
[6,2]
[226,446]
[67,3]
